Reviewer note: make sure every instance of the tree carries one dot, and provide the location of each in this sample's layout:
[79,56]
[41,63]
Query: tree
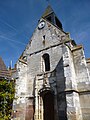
[7,91]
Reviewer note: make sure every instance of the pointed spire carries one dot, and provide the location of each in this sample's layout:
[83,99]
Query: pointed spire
[48,11]
[4,73]
[2,65]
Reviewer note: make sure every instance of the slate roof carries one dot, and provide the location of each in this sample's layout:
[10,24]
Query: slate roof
[2,65]
[4,73]
[48,11]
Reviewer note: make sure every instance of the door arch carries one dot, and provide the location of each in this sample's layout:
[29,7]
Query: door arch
[48,105]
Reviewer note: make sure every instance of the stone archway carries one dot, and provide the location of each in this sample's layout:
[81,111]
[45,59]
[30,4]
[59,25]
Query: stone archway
[48,105]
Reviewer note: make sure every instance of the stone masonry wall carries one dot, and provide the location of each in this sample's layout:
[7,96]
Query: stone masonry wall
[19,104]
[83,81]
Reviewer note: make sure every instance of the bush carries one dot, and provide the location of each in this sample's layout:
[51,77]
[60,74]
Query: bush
[7,91]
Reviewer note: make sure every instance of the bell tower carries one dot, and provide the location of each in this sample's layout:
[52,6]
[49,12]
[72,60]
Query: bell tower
[50,16]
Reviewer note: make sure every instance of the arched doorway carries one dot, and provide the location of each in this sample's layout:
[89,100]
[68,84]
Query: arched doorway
[48,105]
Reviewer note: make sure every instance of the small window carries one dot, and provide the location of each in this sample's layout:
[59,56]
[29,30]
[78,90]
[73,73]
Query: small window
[46,62]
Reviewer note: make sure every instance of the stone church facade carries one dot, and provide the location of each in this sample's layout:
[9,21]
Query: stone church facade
[52,75]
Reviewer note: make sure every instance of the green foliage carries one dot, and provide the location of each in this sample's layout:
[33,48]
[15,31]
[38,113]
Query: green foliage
[7,91]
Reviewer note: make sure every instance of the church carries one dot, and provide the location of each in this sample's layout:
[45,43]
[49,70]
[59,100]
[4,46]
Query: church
[52,75]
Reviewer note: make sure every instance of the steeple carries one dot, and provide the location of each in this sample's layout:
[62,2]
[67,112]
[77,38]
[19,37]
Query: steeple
[2,65]
[50,16]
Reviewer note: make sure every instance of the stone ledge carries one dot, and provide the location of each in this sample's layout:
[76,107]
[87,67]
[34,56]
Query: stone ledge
[88,60]
[77,47]
[77,91]
[22,61]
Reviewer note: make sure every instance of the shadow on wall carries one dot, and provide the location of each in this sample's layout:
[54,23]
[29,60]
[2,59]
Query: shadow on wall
[60,89]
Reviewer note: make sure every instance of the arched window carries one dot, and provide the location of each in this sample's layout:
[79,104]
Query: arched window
[46,62]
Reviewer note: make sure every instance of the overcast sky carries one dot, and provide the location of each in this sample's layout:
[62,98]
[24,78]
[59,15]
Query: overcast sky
[19,18]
